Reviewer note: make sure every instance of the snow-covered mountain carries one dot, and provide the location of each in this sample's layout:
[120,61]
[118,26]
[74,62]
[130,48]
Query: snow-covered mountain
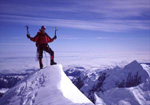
[127,74]
[99,84]
[49,86]
[138,95]
[118,85]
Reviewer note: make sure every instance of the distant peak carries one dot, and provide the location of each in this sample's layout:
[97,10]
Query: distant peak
[134,65]
[134,62]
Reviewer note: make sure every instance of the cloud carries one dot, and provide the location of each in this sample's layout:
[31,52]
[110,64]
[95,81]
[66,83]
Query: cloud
[116,8]
[100,25]
[100,38]
[106,9]
[14,44]
[69,38]
[108,16]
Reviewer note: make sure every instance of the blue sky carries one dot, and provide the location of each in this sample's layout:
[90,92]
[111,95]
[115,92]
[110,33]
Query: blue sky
[83,25]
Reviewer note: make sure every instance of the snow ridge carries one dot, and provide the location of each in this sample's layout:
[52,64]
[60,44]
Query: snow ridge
[49,86]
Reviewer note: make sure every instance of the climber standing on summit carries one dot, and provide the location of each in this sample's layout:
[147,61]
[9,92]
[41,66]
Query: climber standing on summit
[42,39]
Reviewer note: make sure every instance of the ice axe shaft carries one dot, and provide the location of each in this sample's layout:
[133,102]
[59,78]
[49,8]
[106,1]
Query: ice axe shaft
[56,30]
[27,29]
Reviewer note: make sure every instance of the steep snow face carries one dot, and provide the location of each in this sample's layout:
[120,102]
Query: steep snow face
[118,75]
[131,75]
[98,101]
[139,95]
[49,86]
[135,67]
[147,68]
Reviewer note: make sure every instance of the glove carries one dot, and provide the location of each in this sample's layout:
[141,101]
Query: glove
[28,36]
[55,37]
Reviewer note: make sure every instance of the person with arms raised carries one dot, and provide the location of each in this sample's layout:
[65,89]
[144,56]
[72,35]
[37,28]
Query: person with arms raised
[42,39]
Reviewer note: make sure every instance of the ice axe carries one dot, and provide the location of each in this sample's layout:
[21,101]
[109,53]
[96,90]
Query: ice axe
[28,35]
[27,29]
[56,30]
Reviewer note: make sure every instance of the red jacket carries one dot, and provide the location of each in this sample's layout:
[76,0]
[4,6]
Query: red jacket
[42,38]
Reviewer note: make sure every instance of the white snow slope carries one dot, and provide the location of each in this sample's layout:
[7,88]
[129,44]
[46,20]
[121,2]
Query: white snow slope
[139,95]
[49,86]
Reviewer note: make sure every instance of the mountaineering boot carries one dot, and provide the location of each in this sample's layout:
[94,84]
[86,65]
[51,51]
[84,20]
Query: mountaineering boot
[53,63]
[41,66]
[40,62]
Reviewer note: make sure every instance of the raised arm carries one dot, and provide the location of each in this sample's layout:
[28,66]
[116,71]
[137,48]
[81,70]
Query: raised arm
[49,39]
[34,39]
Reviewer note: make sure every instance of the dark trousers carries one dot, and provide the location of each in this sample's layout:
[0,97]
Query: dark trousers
[44,47]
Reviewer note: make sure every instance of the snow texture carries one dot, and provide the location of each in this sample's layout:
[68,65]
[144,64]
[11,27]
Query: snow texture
[119,75]
[48,86]
[139,95]
[102,87]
